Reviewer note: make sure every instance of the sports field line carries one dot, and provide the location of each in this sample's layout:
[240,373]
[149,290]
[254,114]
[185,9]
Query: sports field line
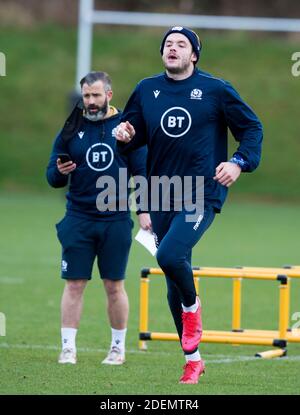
[211,359]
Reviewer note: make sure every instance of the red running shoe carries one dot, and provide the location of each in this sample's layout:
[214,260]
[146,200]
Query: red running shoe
[192,372]
[192,330]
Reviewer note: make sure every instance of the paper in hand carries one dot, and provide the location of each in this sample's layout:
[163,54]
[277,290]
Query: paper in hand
[146,238]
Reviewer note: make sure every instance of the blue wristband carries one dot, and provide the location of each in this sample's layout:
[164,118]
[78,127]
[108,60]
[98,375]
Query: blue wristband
[236,159]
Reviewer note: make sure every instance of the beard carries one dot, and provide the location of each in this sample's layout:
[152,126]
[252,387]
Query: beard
[179,69]
[182,67]
[96,116]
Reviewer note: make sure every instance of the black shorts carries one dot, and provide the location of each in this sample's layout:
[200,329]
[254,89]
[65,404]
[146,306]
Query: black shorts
[83,240]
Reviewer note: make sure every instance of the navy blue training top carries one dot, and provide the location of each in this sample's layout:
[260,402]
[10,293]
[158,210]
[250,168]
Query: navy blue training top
[95,153]
[185,125]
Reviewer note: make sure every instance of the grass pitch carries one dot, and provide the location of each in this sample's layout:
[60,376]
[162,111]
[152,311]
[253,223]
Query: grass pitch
[250,234]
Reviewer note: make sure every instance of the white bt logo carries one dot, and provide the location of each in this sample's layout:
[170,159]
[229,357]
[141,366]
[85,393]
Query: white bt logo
[176,122]
[173,121]
[99,157]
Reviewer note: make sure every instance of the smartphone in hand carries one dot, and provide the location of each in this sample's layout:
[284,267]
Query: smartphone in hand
[64,157]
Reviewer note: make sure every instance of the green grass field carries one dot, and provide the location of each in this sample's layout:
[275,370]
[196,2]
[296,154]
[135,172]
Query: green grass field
[30,290]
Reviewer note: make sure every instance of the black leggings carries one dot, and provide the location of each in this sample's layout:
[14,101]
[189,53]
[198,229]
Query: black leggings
[176,239]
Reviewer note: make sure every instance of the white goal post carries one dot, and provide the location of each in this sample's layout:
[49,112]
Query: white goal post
[88,17]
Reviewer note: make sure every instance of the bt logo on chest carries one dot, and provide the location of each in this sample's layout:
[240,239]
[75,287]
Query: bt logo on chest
[99,157]
[176,122]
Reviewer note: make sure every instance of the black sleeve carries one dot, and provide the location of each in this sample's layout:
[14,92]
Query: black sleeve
[244,125]
[133,113]
[54,177]
[137,167]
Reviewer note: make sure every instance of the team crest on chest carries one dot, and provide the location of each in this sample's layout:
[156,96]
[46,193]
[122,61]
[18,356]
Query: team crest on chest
[196,94]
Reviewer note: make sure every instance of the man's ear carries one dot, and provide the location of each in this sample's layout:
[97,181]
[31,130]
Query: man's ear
[109,95]
[194,57]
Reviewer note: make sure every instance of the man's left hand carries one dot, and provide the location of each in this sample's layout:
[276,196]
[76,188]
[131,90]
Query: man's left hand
[145,221]
[227,173]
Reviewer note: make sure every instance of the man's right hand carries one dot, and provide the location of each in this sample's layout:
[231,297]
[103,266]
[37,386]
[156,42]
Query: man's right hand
[125,132]
[65,168]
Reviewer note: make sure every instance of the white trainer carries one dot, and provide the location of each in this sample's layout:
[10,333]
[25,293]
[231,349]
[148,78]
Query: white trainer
[67,356]
[114,357]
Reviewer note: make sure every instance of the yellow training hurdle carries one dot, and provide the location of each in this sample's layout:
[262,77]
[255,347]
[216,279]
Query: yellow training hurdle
[277,338]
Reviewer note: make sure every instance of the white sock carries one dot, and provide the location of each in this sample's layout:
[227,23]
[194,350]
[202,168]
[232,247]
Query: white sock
[118,339]
[194,357]
[68,336]
[193,308]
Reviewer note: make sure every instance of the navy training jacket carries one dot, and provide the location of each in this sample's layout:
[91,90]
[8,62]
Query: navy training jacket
[95,153]
[185,125]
